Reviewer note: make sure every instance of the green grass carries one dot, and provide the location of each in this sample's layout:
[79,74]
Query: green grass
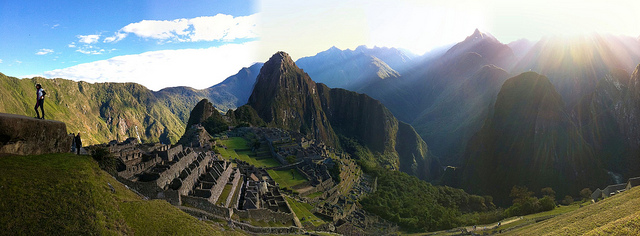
[617,215]
[286,179]
[303,210]
[315,195]
[65,194]
[235,195]
[240,143]
[223,196]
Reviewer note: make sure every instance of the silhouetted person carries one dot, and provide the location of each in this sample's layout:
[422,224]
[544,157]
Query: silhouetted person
[78,143]
[39,101]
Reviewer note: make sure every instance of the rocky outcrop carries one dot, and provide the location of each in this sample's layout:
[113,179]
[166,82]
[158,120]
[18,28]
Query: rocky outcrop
[23,135]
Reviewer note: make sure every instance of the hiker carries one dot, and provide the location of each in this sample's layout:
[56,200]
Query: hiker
[78,142]
[39,101]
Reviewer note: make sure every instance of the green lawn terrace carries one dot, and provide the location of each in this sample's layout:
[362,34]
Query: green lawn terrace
[238,148]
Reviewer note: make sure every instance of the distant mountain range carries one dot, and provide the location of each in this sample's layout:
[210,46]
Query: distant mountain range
[450,97]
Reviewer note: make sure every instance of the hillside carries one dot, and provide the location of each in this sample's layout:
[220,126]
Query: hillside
[106,111]
[286,97]
[65,194]
[617,215]
[529,140]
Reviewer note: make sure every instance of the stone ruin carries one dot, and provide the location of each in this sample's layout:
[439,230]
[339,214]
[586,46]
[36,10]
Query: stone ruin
[185,176]
[23,135]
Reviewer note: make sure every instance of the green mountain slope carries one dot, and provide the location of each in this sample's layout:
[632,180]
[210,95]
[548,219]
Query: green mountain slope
[101,111]
[106,111]
[65,194]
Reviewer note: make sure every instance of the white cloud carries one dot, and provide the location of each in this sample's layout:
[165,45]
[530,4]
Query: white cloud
[117,37]
[72,45]
[90,51]
[0,60]
[158,29]
[55,26]
[206,28]
[197,68]
[44,51]
[89,39]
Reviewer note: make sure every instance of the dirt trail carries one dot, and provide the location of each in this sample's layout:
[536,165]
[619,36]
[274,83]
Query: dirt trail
[493,225]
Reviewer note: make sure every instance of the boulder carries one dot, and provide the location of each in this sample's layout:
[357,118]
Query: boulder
[23,135]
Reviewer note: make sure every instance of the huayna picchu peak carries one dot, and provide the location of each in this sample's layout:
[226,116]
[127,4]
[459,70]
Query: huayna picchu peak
[285,96]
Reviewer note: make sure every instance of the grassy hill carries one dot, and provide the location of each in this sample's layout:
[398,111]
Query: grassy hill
[65,194]
[617,215]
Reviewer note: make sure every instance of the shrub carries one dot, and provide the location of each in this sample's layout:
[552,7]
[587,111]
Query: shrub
[547,203]
[567,200]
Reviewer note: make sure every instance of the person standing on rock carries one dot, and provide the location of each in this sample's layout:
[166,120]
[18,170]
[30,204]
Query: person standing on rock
[78,142]
[39,101]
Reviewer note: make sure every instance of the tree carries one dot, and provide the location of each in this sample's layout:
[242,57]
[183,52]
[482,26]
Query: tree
[547,203]
[520,194]
[567,200]
[548,191]
[585,193]
[523,202]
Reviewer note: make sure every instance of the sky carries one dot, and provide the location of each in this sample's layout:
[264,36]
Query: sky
[199,43]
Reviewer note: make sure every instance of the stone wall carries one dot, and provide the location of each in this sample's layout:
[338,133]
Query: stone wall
[174,170]
[171,152]
[221,183]
[243,226]
[276,155]
[267,230]
[265,215]
[323,186]
[207,206]
[235,184]
[137,168]
[23,135]
[190,180]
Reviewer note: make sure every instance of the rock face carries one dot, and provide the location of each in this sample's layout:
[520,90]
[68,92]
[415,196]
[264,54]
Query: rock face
[29,136]
[286,97]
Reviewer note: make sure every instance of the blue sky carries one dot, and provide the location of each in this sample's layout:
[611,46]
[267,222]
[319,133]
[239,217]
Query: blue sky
[200,43]
[41,36]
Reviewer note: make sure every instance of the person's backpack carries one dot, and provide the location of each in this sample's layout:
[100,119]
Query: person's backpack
[43,92]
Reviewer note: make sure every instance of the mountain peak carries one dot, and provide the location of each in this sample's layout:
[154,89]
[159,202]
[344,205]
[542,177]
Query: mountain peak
[280,57]
[476,35]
